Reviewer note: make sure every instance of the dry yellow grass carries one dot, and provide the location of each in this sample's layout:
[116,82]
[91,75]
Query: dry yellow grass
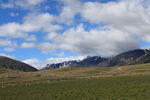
[69,73]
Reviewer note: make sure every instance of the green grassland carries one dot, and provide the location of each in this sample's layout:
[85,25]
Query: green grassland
[94,83]
[110,88]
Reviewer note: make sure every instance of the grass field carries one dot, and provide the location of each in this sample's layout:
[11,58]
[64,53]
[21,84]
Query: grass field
[116,83]
[109,88]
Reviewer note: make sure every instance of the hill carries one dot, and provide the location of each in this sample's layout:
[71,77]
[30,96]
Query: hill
[141,60]
[128,58]
[9,63]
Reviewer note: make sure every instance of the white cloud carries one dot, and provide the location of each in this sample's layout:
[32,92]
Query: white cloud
[70,9]
[8,49]
[47,47]
[7,43]
[14,14]
[61,54]
[104,42]
[8,5]
[32,23]
[126,15]
[11,30]
[31,38]
[25,4]
[28,45]
[33,62]
[40,22]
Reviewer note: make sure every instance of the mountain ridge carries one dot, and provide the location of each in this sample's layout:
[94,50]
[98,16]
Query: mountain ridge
[126,58]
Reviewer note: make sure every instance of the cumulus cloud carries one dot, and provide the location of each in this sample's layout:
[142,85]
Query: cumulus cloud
[8,49]
[28,45]
[70,9]
[32,23]
[33,62]
[25,4]
[45,47]
[104,42]
[8,45]
[14,30]
[126,15]
[61,54]
[4,42]
[14,14]
[7,5]
[40,22]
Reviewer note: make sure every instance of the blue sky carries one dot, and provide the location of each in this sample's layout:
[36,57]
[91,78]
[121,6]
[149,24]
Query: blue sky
[43,29]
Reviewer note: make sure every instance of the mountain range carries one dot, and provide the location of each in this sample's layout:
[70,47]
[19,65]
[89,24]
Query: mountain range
[89,61]
[138,56]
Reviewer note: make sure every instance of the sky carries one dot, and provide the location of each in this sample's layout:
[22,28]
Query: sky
[38,32]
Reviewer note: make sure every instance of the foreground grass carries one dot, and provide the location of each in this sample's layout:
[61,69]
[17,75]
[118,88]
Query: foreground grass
[108,88]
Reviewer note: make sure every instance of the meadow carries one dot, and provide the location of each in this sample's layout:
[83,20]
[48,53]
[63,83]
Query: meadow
[110,88]
[117,83]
